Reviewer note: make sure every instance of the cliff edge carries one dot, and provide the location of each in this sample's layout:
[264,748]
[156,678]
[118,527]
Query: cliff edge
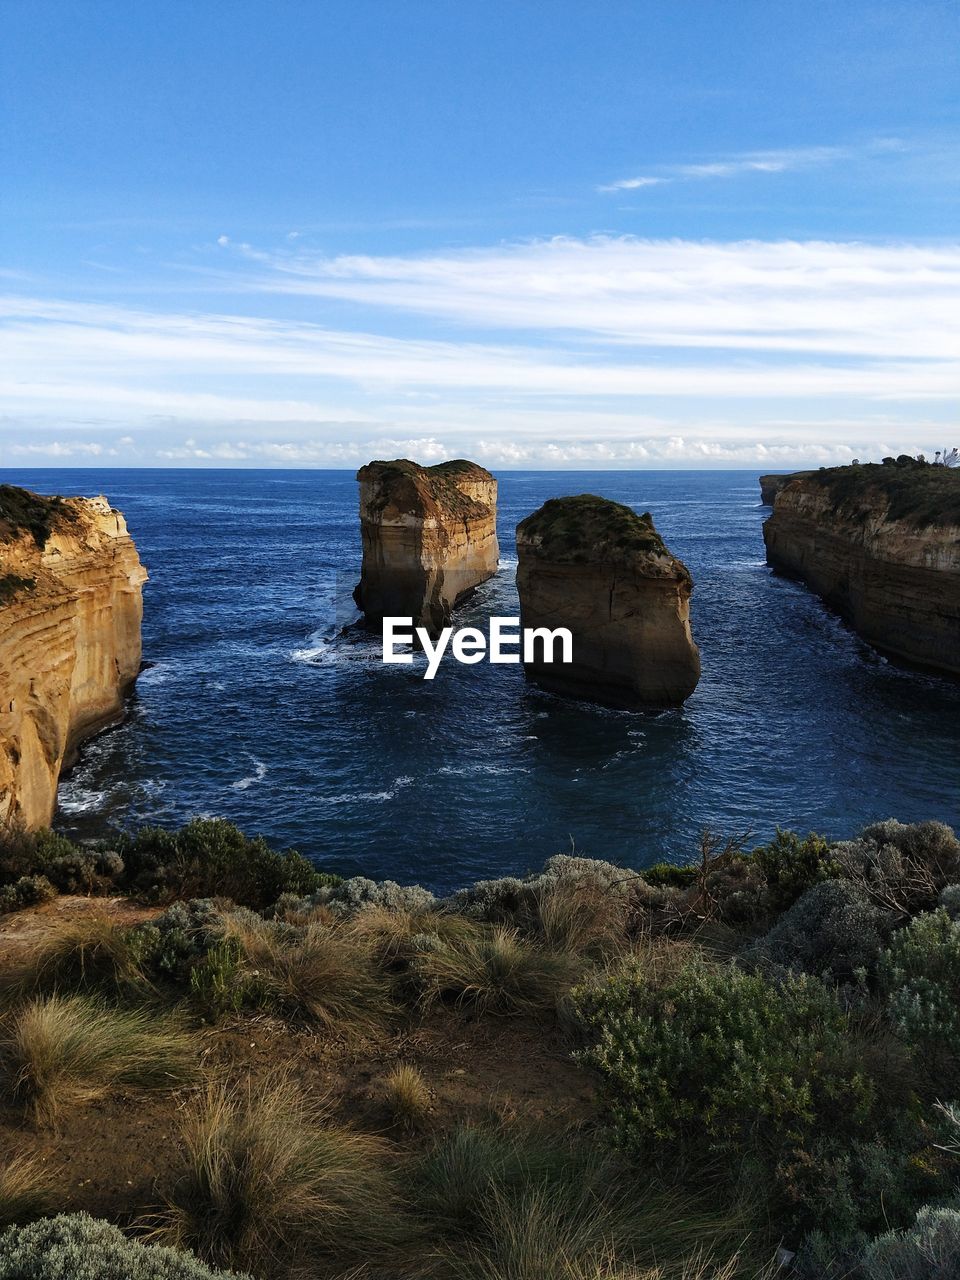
[429,538]
[70,613]
[881,545]
[602,571]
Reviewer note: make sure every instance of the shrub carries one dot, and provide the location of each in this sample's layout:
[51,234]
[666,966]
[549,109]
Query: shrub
[269,1184]
[832,931]
[668,875]
[929,1249]
[60,1050]
[407,1096]
[75,1246]
[493,969]
[902,868]
[218,983]
[791,865]
[360,894]
[28,891]
[732,1065]
[210,856]
[920,976]
[513,901]
[27,1189]
[174,941]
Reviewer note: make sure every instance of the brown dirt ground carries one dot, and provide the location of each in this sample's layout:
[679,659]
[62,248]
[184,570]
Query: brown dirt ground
[117,1155]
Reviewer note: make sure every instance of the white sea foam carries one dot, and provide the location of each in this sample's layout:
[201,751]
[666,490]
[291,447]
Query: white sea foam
[80,799]
[373,797]
[258,776]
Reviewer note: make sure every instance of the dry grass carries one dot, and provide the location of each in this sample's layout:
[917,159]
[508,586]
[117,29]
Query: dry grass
[320,973]
[583,918]
[270,1184]
[493,969]
[27,1190]
[407,1096]
[58,1051]
[89,953]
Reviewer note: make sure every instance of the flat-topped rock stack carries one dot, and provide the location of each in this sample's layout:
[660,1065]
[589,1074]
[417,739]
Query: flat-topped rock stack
[70,613]
[602,571]
[429,538]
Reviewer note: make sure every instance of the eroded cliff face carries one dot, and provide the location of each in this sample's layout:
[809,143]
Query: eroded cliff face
[429,538]
[600,570]
[881,545]
[771,485]
[70,613]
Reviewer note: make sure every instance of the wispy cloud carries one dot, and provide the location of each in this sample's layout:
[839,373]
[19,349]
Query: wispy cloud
[547,353]
[747,162]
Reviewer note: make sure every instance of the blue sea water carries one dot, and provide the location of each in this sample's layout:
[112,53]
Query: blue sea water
[255,708]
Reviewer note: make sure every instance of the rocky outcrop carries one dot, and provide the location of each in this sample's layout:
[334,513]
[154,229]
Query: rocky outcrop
[881,545]
[429,538]
[70,611]
[771,485]
[600,570]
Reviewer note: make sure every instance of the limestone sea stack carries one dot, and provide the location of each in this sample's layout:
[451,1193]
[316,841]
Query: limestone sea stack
[429,538]
[70,613]
[600,570]
[881,545]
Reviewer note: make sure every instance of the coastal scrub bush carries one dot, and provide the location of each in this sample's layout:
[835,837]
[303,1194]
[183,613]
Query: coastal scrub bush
[170,944]
[210,856]
[832,931]
[493,970]
[360,894]
[920,977]
[27,891]
[928,1249]
[74,1246]
[792,864]
[68,867]
[57,1051]
[27,1188]
[269,1183]
[903,868]
[704,1060]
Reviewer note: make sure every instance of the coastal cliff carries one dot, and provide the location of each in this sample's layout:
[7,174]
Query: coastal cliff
[429,538]
[70,613]
[881,545]
[600,570]
[771,485]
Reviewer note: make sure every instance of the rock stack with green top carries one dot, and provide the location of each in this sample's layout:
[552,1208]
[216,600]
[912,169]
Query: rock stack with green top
[602,571]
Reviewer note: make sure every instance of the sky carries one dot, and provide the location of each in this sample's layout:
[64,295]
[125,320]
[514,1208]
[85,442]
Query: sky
[535,233]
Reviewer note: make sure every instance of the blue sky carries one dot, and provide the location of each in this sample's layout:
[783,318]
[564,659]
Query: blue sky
[538,234]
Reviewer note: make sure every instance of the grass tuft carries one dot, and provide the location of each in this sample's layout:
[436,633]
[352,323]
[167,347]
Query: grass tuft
[83,955]
[58,1051]
[407,1096]
[269,1183]
[27,1190]
[493,969]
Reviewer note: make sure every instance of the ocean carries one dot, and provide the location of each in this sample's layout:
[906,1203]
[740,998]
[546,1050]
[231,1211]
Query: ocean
[256,708]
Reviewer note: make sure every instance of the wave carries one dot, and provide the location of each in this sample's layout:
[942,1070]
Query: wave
[373,797]
[260,773]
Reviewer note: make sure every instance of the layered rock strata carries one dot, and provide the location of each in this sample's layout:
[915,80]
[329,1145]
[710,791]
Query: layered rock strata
[881,546]
[70,613]
[429,538]
[603,572]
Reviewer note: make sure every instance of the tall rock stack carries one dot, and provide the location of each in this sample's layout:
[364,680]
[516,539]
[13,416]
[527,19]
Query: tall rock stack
[70,613]
[429,538]
[600,570]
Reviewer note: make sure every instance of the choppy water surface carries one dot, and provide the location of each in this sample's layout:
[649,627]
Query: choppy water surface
[256,709]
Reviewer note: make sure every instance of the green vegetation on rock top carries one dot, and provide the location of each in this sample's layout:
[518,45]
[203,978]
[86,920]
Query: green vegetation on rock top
[25,512]
[586,528]
[407,483]
[915,492]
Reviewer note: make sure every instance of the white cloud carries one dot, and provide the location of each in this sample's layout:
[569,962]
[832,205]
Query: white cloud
[730,166]
[633,184]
